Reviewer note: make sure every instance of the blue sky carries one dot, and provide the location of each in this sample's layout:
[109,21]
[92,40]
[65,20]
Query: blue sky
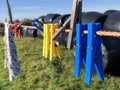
[34,8]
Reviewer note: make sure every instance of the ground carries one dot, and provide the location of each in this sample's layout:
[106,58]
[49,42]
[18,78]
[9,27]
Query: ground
[38,73]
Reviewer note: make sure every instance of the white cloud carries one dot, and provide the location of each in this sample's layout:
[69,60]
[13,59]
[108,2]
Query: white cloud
[27,7]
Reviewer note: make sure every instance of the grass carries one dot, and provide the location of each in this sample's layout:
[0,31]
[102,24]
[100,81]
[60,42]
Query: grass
[38,73]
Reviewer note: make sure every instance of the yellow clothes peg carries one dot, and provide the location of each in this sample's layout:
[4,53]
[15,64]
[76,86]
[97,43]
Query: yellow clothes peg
[52,42]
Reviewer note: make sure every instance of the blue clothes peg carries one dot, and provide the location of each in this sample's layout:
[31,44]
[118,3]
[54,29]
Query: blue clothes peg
[94,53]
[40,27]
[40,23]
[81,43]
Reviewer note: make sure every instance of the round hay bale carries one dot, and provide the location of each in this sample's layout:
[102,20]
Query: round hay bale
[112,44]
[62,38]
[94,17]
[42,17]
[112,22]
[108,12]
[61,19]
[50,17]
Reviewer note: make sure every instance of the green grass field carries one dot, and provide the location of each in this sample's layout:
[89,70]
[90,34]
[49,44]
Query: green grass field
[38,73]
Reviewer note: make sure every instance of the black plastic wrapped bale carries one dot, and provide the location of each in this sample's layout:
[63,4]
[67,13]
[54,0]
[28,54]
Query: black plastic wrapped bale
[62,38]
[41,17]
[56,20]
[112,23]
[50,17]
[104,54]
[108,12]
[35,33]
[92,17]
[95,17]
[65,18]
[112,44]
[61,19]
[29,32]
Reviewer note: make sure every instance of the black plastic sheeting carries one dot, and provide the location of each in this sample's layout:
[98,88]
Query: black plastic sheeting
[112,44]
[31,33]
[61,19]
[112,23]
[109,22]
[94,17]
[62,38]
[41,17]
[50,17]
[108,12]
